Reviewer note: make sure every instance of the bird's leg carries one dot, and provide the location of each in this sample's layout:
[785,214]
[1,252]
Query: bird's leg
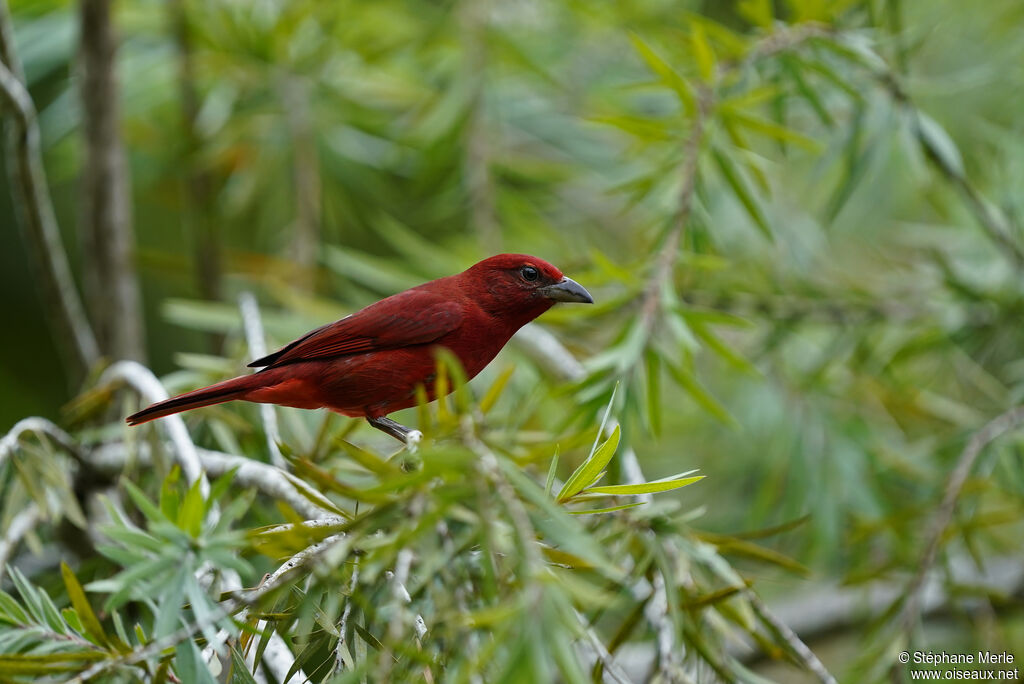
[410,437]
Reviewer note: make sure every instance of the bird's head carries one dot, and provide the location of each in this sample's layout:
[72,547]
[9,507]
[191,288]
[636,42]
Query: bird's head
[524,286]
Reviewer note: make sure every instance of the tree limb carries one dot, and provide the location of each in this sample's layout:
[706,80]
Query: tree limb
[71,329]
[944,515]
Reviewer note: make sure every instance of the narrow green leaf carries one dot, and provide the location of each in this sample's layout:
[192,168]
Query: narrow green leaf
[609,509]
[190,515]
[10,611]
[688,382]
[645,488]
[495,390]
[773,130]
[90,623]
[739,186]
[668,75]
[551,471]
[590,468]
[702,52]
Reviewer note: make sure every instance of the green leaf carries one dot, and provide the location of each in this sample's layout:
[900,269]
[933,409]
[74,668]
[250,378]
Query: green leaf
[702,52]
[667,74]
[90,623]
[739,186]
[773,130]
[552,469]
[939,145]
[495,390]
[190,515]
[646,487]
[688,381]
[10,611]
[590,468]
[609,509]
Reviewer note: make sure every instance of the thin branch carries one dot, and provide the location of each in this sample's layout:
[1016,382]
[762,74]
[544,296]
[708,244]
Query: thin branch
[40,426]
[31,195]
[257,349]
[265,478]
[944,515]
[20,525]
[142,380]
[339,659]
[669,253]
[606,658]
[243,602]
[783,632]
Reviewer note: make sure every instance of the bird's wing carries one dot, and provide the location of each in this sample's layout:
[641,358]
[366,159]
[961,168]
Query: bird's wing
[408,318]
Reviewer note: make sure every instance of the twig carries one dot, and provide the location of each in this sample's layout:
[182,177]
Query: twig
[669,251]
[954,485]
[35,209]
[248,473]
[339,659]
[606,659]
[251,598]
[142,380]
[257,349]
[20,525]
[40,426]
[552,356]
[799,649]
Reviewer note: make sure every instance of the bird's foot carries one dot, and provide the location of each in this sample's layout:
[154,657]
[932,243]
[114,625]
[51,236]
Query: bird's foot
[410,437]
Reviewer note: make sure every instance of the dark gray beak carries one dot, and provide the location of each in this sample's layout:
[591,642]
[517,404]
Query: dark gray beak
[566,290]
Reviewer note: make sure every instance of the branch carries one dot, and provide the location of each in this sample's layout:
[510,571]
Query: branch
[784,633]
[40,426]
[31,196]
[21,524]
[257,349]
[265,478]
[954,486]
[156,647]
[142,380]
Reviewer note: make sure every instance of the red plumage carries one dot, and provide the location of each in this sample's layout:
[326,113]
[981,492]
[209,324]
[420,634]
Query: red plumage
[369,364]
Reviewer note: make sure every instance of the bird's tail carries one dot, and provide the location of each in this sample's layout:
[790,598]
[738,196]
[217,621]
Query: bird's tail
[236,388]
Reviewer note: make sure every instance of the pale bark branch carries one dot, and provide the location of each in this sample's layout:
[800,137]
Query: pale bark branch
[142,380]
[253,326]
[71,330]
[20,525]
[944,515]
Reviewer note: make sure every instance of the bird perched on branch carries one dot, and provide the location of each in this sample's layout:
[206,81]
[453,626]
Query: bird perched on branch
[370,363]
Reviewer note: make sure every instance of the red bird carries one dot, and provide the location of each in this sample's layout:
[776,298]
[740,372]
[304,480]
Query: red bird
[368,364]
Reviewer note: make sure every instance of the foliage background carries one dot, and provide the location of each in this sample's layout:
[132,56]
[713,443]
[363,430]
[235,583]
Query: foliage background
[800,221]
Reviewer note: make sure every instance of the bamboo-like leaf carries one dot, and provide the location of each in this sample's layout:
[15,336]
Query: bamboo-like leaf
[773,130]
[689,382]
[702,51]
[646,487]
[609,509]
[552,469]
[668,75]
[739,186]
[590,468]
[495,390]
[93,630]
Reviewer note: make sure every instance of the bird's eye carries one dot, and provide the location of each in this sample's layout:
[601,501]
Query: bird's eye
[529,273]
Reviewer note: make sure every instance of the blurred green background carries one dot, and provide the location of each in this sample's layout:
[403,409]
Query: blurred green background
[818,313]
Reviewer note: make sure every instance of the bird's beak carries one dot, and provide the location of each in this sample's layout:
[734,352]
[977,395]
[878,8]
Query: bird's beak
[566,290]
